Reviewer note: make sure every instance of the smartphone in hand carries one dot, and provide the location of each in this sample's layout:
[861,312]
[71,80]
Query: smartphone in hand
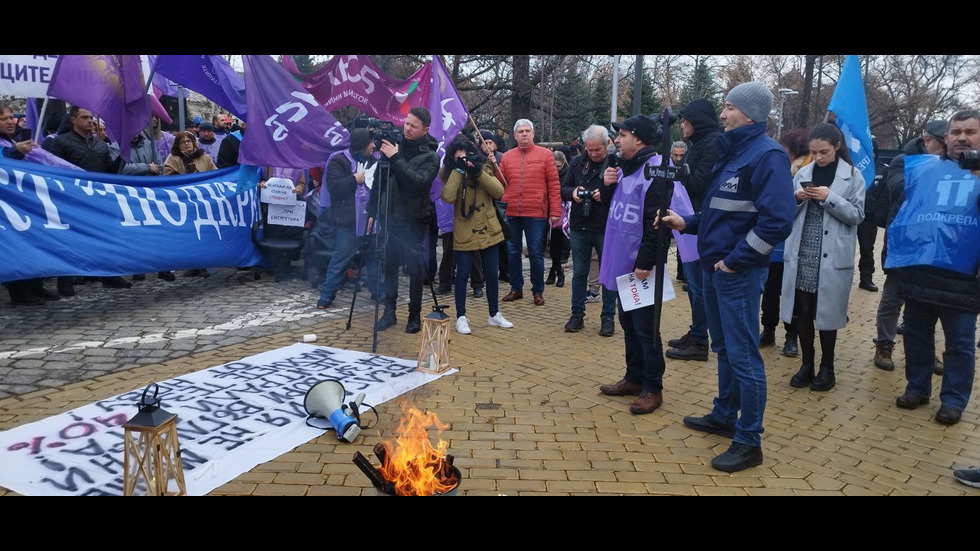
[806,184]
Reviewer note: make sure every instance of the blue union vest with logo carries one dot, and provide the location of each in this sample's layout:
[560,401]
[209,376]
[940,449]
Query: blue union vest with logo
[938,225]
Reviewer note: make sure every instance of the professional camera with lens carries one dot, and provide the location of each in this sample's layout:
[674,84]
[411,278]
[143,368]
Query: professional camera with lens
[970,159]
[586,196]
[384,130]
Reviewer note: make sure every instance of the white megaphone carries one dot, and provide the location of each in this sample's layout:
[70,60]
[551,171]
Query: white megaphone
[326,401]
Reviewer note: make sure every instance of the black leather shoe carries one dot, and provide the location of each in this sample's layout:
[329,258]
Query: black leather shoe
[575,324]
[560,281]
[139,277]
[900,329]
[693,350]
[803,377]
[115,283]
[478,292]
[738,458]
[948,416]
[767,337]
[709,424]
[386,321]
[441,290]
[911,401]
[26,299]
[679,342]
[66,290]
[607,327]
[169,276]
[414,324]
[790,349]
[825,379]
[46,294]
[867,285]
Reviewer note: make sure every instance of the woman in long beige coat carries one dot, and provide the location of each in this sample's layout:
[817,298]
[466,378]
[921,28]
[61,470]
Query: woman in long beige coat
[469,185]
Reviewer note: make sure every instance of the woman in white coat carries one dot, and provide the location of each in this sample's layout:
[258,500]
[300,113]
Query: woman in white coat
[818,259]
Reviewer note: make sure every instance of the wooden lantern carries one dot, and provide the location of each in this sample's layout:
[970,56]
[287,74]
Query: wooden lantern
[434,352]
[152,452]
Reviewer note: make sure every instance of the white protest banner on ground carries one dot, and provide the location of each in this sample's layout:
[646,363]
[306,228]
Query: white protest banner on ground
[288,215]
[278,191]
[26,76]
[230,418]
[638,293]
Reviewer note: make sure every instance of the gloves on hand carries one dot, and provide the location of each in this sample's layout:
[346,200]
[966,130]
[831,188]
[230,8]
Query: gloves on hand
[460,163]
[477,167]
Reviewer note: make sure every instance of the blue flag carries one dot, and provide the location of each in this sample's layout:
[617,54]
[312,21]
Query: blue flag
[851,107]
[210,75]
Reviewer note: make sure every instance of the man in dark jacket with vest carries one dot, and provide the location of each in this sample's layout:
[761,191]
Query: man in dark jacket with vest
[748,209]
[587,225]
[699,125]
[934,249]
[401,204]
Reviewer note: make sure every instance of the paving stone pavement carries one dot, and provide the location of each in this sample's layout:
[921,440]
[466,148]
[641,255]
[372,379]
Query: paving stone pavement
[525,413]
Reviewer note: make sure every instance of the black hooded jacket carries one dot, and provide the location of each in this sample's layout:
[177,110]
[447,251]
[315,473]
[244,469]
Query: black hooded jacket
[701,155]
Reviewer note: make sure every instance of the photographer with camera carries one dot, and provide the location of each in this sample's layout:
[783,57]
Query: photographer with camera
[630,245]
[470,188]
[587,225]
[400,199]
[934,249]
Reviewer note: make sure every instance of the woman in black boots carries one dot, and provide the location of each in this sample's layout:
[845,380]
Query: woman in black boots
[558,245]
[818,260]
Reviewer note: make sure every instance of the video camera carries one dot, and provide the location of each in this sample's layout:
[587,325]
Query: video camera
[383,130]
[970,159]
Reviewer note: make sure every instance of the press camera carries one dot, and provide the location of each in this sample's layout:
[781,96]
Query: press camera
[384,130]
[970,159]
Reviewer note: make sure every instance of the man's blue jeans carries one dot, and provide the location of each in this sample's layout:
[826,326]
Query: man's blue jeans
[582,242]
[959,360]
[731,302]
[695,274]
[347,245]
[531,230]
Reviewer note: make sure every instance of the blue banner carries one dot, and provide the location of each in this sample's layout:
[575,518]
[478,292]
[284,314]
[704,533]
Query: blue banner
[63,222]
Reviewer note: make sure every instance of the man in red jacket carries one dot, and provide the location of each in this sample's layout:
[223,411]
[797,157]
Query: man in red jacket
[533,200]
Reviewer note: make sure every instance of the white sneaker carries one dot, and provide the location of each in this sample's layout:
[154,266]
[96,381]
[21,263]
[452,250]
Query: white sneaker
[462,325]
[498,320]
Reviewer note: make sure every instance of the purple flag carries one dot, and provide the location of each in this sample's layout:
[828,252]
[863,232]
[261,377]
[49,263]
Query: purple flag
[286,125]
[111,86]
[356,80]
[449,114]
[210,75]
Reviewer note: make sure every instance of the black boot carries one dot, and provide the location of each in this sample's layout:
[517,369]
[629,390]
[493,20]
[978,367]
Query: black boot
[767,337]
[790,348]
[414,324]
[560,282]
[551,275]
[824,380]
[803,377]
[387,320]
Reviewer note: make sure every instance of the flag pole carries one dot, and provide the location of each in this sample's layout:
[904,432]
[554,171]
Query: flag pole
[40,119]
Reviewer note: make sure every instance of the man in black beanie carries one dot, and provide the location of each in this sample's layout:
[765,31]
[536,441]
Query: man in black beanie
[748,209]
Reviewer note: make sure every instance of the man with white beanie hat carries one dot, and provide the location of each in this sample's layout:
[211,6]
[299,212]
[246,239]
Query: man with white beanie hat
[747,210]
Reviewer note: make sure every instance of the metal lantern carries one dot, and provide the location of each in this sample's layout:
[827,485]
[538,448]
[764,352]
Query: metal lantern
[434,352]
[152,452]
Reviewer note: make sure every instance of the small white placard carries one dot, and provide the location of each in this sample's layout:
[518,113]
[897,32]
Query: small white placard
[278,191]
[638,293]
[287,215]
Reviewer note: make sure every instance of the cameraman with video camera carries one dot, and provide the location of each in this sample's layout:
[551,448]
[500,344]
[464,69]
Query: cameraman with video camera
[403,208]
[587,225]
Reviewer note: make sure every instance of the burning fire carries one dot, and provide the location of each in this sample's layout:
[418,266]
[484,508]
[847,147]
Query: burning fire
[412,464]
